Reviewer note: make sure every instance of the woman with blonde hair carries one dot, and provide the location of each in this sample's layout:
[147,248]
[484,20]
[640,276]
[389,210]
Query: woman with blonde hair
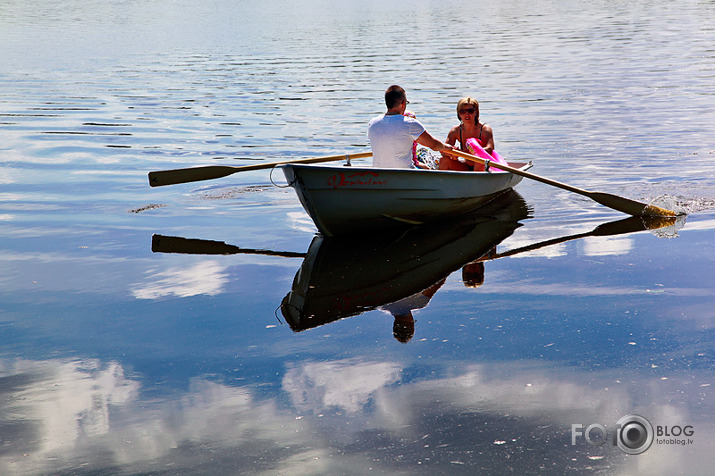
[469,127]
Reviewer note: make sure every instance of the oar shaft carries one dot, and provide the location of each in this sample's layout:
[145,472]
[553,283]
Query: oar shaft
[523,173]
[615,202]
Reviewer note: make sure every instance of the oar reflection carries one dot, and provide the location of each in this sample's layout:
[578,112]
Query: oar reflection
[194,246]
[620,227]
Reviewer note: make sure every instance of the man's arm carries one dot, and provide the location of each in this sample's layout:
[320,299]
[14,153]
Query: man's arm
[427,140]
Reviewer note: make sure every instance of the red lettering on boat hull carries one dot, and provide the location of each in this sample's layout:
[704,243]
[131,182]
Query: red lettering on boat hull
[356,179]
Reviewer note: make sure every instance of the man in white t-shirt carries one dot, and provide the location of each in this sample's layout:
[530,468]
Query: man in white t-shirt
[391,135]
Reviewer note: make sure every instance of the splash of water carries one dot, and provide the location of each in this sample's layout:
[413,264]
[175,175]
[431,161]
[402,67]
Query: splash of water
[682,206]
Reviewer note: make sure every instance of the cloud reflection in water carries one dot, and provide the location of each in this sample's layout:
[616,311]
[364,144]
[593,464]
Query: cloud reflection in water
[206,277]
[87,413]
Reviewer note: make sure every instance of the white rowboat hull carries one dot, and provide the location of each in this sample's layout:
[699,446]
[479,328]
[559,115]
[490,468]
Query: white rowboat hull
[345,199]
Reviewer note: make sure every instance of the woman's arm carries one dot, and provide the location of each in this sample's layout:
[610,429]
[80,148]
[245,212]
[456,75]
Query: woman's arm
[488,138]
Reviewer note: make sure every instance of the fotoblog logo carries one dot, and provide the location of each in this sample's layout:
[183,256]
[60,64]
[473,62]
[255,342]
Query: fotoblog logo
[633,434]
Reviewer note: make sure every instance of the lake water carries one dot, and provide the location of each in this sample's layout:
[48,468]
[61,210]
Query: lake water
[128,349]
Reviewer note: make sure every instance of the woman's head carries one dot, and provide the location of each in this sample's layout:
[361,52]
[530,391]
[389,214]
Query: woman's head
[468,107]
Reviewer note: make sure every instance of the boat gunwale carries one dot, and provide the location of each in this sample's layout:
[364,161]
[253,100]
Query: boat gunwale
[516,164]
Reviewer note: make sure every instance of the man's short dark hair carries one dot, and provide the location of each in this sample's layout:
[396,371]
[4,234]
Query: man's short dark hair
[403,329]
[394,96]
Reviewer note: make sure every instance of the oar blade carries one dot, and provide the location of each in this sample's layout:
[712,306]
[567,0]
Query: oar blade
[631,207]
[193,174]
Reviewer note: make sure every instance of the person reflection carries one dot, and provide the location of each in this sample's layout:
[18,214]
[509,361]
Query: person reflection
[473,273]
[403,329]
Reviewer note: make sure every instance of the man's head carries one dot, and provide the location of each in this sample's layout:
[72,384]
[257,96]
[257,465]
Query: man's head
[473,274]
[394,96]
[404,327]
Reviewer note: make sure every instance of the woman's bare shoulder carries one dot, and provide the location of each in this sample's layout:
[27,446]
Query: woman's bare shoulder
[453,131]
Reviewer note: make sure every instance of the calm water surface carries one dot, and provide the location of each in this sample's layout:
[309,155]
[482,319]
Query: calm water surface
[127,348]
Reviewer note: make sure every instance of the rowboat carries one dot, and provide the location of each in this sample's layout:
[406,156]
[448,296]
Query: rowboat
[345,276]
[345,199]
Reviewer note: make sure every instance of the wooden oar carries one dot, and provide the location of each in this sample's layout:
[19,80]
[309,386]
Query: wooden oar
[194,174]
[621,204]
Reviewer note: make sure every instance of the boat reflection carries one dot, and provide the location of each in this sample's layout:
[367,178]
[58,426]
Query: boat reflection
[397,272]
